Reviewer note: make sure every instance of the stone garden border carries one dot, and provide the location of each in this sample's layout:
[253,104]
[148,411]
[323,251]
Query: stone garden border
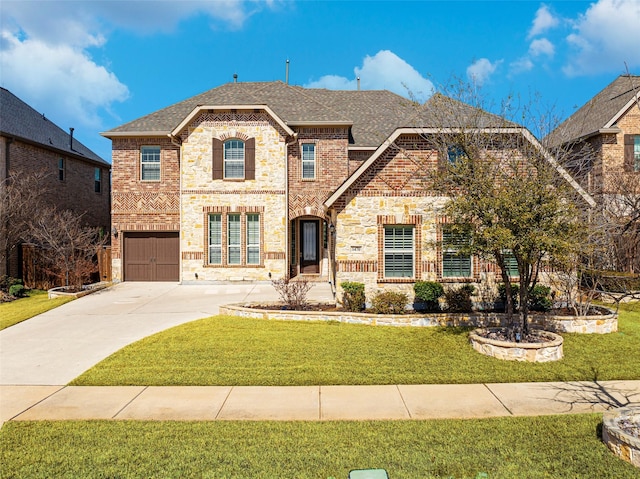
[560,324]
[60,292]
[544,352]
[623,445]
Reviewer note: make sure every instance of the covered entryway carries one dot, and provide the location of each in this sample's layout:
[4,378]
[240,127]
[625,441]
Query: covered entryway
[151,256]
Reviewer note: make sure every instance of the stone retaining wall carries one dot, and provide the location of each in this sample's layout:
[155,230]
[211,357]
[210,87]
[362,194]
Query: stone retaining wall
[623,445]
[597,324]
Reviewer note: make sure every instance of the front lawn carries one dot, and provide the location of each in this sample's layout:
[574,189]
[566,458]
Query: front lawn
[37,302]
[552,446]
[226,350]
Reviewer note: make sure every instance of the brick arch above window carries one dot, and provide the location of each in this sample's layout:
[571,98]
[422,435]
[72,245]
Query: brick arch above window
[234,135]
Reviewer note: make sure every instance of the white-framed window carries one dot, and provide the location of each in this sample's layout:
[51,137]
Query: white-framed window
[636,153]
[308,161]
[97,180]
[233,159]
[215,238]
[253,238]
[454,263]
[454,153]
[234,235]
[399,251]
[61,163]
[150,163]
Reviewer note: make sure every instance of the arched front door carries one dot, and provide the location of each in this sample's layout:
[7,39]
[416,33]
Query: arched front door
[309,247]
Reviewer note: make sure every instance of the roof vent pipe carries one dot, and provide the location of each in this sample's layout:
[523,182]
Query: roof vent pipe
[71,138]
[358,83]
[235,78]
[286,75]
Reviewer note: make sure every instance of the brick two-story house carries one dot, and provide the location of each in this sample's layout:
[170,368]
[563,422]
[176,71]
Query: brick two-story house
[601,142]
[256,181]
[72,176]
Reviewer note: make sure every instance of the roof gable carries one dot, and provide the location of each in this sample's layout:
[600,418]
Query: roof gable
[601,112]
[17,119]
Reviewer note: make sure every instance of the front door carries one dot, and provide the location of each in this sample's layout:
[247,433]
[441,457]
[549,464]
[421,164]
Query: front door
[309,247]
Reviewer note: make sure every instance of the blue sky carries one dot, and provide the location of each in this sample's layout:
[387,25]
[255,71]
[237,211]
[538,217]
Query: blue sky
[94,65]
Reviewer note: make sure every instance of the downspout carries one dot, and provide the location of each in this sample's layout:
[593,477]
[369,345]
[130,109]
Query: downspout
[287,249]
[177,143]
[5,180]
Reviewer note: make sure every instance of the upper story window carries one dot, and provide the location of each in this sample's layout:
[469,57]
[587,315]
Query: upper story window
[150,163]
[511,264]
[454,153]
[234,159]
[632,153]
[61,163]
[97,180]
[308,161]
[398,251]
[455,263]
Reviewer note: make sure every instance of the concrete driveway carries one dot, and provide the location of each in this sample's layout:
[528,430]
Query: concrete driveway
[57,346]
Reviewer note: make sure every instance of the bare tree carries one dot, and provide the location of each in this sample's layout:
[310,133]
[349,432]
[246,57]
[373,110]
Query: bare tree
[71,247]
[22,200]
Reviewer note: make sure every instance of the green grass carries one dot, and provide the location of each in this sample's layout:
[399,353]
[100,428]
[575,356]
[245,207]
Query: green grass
[536,447]
[36,303]
[225,350]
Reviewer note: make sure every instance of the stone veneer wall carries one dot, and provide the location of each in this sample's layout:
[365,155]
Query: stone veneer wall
[620,442]
[201,195]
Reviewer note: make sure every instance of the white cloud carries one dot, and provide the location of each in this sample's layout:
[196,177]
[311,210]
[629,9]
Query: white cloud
[47,63]
[544,21]
[521,65]
[480,70]
[541,46]
[605,36]
[385,70]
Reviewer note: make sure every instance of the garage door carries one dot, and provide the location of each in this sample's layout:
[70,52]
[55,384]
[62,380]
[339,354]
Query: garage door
[151,257]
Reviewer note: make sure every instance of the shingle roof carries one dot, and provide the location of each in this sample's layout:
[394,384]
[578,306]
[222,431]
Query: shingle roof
[374,114]
[597,112]
[17,119]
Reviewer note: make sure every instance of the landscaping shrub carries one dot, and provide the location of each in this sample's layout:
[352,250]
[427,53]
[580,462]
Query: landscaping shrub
[292,293]
[389,302]
[427,294]
[7,281]
[353,297]
[459,299]
[540,298]
[17,291]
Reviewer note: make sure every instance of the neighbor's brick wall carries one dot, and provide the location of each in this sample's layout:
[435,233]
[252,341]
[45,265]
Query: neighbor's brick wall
[76,191]
[142,205]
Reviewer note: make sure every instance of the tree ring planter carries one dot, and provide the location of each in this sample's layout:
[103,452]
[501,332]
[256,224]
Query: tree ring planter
[549,350]
[60,292]
[621,443]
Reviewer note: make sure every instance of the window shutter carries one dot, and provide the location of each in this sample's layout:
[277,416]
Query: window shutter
[250,159]
[217,159]
[628,152]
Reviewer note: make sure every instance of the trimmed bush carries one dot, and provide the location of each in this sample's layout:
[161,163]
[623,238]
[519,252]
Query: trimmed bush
[353,297]
[459,299]
[427,294]
[17,291]
[389,302]
[540,298]
[7,281]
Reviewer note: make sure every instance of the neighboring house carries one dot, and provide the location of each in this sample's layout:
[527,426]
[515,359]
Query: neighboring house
[601,142]
[74,177]
[257,181]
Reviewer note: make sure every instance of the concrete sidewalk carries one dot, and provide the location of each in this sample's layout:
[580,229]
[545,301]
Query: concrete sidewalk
[312,403]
